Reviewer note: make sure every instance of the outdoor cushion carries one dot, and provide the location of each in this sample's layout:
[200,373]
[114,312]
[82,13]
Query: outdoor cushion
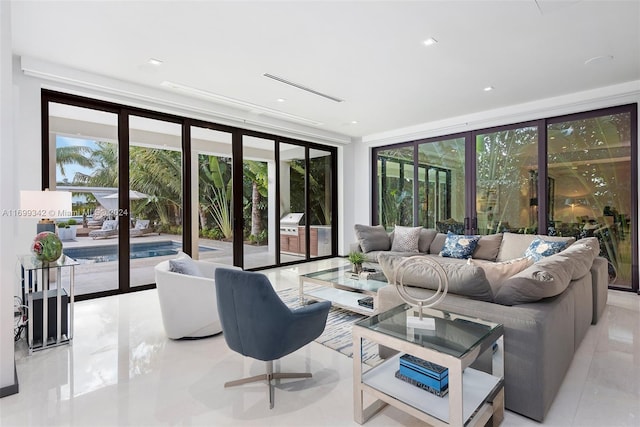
[142,224]
[372,238]
[109,225]
[468,280]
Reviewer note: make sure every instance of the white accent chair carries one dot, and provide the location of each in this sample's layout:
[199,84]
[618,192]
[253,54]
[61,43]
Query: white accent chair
[188,303]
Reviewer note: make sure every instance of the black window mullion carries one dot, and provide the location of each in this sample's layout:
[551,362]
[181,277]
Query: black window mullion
[124,273]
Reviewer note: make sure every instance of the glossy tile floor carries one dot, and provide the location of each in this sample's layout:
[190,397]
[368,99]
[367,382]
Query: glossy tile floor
[122,370]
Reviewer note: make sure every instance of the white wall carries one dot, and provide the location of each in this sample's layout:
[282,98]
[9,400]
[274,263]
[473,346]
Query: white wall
[8,198]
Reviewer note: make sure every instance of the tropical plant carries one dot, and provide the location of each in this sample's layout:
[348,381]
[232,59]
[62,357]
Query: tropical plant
[356,257]
[215,185]
[255,202]
[74,155]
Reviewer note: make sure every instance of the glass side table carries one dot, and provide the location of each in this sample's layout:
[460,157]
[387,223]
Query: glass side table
[455,342]
[47,289]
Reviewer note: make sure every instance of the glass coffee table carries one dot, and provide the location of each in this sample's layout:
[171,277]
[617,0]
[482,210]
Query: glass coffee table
[342,288]
[447,339]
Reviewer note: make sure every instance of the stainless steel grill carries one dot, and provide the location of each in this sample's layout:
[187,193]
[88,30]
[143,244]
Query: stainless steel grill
[289,224]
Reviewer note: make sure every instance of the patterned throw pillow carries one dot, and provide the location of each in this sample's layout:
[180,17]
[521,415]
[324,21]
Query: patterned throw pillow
[405,239]
[459,246]
[539,249]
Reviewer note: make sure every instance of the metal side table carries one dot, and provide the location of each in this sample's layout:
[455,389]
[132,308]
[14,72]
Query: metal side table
[47,289]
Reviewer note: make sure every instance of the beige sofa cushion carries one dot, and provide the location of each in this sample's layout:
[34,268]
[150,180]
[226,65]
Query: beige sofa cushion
[498,272]
[581,254]
[437,243]
[514,245]
[546,278]
[426,238]
[464,279]
[488,247]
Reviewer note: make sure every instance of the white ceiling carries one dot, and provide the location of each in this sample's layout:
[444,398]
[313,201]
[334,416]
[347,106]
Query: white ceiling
[368,53]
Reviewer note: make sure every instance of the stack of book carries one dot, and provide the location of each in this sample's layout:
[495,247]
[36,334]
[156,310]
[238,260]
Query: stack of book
[426,375]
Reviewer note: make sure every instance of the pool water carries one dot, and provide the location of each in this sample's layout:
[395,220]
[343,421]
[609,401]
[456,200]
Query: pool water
[106,253]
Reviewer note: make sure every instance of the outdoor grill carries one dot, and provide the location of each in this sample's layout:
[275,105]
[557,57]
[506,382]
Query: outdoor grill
[289,224]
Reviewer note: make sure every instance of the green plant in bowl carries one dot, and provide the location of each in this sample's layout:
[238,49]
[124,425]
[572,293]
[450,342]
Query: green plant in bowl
[356,258]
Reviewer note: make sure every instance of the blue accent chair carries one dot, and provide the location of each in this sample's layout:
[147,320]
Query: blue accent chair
[256,323]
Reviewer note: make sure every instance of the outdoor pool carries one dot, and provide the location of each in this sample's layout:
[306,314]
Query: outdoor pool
[106,253]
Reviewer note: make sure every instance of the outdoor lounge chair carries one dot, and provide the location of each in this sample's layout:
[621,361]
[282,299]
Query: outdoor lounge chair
[142,228]
[100,214]
[109,228]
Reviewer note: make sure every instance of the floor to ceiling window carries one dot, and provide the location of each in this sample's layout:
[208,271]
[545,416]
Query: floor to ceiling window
[147,185]
[506,173]
[441,184]
[581,181]
[84,160]
[589,159]
[155,193]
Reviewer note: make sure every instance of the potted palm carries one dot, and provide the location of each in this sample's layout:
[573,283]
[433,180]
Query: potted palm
[356,259]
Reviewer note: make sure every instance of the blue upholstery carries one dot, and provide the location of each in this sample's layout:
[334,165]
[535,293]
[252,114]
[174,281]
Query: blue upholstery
[255,321]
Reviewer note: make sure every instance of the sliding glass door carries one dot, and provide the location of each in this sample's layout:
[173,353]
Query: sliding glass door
[212,186]
[258,214]
[590,160]
[441,185]
[154,195]
[84,160]
[506,181]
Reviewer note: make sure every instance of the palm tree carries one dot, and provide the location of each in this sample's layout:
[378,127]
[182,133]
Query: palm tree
[215,186]
[74,154]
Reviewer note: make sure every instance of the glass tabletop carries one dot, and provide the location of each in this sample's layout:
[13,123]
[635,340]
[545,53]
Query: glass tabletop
[342,276]
[30,262]
[454,334]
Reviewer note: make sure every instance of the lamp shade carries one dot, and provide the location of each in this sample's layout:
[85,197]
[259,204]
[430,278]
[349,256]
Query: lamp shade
[45,204]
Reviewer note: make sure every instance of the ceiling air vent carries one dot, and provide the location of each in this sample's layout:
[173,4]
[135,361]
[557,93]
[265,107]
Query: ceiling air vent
[299,86]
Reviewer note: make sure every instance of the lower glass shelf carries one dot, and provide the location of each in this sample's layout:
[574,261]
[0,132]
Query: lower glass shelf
[477,386]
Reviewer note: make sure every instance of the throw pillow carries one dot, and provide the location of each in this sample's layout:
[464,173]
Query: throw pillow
[498,272]
[109,225]
[488,247]
[142,224]
[539,249]
[184,264]
[372,238]
[459,246]
[405,239]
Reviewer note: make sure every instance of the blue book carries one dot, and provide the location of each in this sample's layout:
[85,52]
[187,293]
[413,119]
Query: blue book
[436,384]
[423,366]
[439,393]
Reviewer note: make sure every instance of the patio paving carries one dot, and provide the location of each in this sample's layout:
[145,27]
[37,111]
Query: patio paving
[103,276]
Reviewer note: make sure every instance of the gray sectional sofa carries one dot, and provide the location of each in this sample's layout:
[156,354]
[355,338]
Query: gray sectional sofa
[546,308]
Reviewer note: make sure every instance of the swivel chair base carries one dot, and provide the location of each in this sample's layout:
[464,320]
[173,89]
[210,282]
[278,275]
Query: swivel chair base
[268,377]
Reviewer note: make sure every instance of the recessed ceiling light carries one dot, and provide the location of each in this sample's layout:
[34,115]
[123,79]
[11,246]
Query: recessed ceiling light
[154,61]
[354,122]
[280,99]
[488,89]
[430,41]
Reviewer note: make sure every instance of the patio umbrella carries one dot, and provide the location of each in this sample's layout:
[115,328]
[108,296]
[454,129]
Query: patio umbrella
[110,202]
